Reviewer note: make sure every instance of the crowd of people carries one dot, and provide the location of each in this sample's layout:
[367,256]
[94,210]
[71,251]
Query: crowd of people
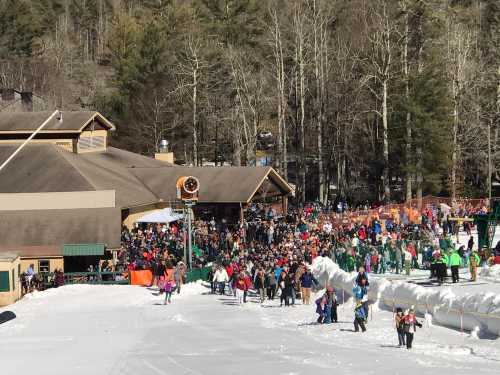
[270,255]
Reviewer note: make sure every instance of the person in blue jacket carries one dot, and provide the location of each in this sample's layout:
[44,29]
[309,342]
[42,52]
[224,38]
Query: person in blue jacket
[306,282]
[359,317]
[360,292]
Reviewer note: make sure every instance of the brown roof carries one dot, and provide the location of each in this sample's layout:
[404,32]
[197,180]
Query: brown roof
[217,184]
[51,229]
[138,180]
[49,168]
[72,122]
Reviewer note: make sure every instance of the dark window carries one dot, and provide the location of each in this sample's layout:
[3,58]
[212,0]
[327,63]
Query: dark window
[13,279]
[4,281]
[43,266]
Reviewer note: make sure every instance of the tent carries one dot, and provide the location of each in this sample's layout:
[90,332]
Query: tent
[167,215]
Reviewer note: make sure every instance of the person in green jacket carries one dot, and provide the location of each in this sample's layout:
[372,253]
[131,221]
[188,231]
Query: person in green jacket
[455,262]
[473,263]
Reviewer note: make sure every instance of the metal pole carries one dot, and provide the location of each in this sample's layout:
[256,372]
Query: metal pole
[29,139]
[190,239]
[489,162]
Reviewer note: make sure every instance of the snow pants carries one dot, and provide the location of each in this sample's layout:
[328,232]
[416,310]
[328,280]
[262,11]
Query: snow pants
[359,323]
[306,295]
[409,339]
[401,337]
[239,296]
[454,273]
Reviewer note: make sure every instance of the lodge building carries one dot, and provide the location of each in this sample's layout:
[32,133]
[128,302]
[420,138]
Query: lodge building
[66,195]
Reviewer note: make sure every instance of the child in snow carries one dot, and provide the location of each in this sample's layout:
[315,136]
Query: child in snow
[399,320]
[168,287]
[359,317]
[410,324]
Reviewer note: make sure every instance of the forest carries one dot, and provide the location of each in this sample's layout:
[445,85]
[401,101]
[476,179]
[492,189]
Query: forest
[365,99]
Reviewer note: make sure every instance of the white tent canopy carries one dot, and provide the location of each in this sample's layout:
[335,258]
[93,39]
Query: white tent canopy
[166,215]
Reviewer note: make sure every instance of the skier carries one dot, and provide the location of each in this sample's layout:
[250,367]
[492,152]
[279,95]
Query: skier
[220,278]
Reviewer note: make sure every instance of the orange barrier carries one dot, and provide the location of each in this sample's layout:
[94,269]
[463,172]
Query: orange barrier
[143,277]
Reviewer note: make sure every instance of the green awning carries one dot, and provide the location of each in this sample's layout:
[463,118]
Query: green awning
[83,249]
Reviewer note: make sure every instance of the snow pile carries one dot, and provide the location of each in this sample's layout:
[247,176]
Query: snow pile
[465,312]
[492,272]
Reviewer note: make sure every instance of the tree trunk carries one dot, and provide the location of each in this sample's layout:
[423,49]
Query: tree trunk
[408,173]
[385,175]
[195,134]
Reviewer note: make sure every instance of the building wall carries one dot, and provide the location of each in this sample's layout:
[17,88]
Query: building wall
[12,267]
[91,141]
[54,262]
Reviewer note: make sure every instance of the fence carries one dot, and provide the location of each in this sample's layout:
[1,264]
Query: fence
[410,211]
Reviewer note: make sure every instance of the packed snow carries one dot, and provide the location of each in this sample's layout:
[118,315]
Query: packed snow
[478,312]
[124,330]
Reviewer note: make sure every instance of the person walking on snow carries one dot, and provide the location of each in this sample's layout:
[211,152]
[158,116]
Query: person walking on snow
[410,324]
[399,320]
[240,287]
[359,317]
[220,278]
[167,288]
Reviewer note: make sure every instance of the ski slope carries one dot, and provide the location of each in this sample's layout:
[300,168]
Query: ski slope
[124,330]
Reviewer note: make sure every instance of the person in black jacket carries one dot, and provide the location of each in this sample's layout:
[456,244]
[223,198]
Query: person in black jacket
[285,285]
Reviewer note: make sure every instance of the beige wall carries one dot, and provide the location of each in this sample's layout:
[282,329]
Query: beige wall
[54,262]
[138,212]
[167,157]
[90,134]
[57,200]
[12,266]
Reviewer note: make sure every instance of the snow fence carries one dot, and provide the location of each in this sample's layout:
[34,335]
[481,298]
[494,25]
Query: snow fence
[468,312]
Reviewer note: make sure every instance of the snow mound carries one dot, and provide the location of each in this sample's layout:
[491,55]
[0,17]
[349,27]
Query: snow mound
[466,312]
[492,272]
[193,289]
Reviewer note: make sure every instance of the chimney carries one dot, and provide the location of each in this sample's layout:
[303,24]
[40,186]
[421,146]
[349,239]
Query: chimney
[27,101]
[7,94]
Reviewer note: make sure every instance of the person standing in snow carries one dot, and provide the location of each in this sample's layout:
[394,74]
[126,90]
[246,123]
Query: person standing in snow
[240,287]
[167,288]
[359,317]
[455,263]
[410,324]
[270,284]
[399,320]
[306,282]
[260,284]
[220,278]
[474,261]
[284,284]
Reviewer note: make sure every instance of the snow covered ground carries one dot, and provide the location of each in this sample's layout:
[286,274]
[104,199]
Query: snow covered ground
[126,330]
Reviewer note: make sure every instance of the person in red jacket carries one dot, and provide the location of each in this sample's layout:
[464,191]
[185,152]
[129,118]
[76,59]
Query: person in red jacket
[241,287]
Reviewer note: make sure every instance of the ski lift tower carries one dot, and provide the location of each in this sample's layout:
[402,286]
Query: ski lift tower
[187,191]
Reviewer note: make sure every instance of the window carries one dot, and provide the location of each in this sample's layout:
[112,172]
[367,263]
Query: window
[43,266]
[4,281]
[13,279]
